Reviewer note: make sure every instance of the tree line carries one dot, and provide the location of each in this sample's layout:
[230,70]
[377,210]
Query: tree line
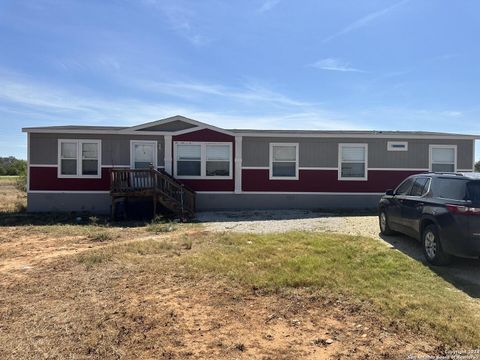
[11,166]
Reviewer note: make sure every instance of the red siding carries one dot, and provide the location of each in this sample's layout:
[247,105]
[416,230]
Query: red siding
[46,178]
[322,181]
[204,135]
[209,185]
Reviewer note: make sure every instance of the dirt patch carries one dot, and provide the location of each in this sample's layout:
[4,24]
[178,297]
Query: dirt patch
[126,311]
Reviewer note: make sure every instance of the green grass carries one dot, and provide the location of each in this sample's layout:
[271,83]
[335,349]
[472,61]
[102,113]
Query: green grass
[400,288]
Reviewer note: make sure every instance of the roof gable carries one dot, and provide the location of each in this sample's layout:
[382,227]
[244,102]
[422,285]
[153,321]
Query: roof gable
[174,124]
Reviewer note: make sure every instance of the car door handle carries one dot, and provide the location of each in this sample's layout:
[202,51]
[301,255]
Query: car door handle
[420,205]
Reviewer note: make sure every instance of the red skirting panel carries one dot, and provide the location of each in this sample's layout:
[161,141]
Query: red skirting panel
[46,179]
[322,181]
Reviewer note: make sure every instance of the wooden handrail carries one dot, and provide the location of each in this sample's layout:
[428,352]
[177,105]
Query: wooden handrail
[146,182]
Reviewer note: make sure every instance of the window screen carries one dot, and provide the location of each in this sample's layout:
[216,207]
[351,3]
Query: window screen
[89,158]
[218,160]
[443,159]
[353,161]
[189,160]
[284,161]
[68,158]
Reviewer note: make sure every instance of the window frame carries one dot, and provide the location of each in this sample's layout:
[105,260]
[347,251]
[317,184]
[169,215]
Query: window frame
[203,160]
[431,147]
[147,142]
[297,161]
[340,149]
[79,159]
[391,144]
[425,188]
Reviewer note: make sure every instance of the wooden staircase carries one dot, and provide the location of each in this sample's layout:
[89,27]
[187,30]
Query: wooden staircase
[162,188]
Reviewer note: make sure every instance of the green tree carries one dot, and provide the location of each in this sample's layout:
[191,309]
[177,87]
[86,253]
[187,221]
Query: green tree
[477,166]
[11,166]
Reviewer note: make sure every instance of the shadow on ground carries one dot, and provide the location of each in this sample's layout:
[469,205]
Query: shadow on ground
[464,274]
[17,219]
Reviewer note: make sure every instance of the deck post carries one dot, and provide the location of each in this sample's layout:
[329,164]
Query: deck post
[113,208]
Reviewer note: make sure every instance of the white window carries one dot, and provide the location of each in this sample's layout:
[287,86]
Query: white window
[397,146]
[218,160]
[79,158]
[283,161]
[352,161]
[195,160]
[189,160]
[443,158]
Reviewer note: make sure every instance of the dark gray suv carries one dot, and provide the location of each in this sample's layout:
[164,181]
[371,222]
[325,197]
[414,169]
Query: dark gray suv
[442,210]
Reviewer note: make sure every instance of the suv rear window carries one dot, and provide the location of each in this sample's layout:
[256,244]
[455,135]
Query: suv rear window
[473,188]
[449,188]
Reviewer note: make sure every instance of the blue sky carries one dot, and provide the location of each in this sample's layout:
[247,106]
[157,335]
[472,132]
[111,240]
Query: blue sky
[370,64]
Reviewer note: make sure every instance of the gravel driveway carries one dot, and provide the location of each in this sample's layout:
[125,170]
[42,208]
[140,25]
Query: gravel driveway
[462,273]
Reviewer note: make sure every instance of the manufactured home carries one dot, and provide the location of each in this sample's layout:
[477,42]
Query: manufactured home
[82,168]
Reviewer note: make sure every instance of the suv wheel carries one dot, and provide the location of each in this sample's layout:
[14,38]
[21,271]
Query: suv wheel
[384,226]
[432,248]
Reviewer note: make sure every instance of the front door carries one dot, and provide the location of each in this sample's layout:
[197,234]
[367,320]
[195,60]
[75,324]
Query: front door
[144,154]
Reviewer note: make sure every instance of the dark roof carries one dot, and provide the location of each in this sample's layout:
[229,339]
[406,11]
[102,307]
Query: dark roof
[77,127]
[338,133]
[345,132]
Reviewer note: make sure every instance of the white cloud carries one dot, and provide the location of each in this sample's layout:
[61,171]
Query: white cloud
[364,21]
[251,93]
[454,114]
[181,19]
[332,64]
[268,5]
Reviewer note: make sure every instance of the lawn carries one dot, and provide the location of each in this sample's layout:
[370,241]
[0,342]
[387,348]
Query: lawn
[88,288]
[401,288]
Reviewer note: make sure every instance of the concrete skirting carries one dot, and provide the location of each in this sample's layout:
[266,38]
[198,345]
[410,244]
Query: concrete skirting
[97,203]
[247,201]
[100,203]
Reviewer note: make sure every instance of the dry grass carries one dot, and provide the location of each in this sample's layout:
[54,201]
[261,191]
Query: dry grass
[8,180]
[134,299]
[94,290]
[11,199]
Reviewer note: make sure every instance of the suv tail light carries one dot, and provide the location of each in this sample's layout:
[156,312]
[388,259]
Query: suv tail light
[463,210]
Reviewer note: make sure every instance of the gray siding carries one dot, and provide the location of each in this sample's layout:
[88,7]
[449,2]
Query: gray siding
[175,125]
[323,152]
[115,148]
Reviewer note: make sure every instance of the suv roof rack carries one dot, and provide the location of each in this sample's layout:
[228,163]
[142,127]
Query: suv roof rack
[470,174]
[446,173]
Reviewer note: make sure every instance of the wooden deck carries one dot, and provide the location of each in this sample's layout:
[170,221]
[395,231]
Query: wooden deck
[150,183]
